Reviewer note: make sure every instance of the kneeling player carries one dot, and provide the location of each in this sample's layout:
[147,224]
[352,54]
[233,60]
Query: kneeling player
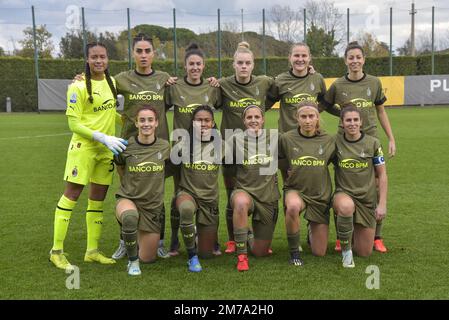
[359,159]
[256,190]
[198,186]
[141,194]
[308,186]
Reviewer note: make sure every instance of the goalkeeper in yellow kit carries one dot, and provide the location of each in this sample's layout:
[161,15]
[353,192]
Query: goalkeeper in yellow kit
[91,113]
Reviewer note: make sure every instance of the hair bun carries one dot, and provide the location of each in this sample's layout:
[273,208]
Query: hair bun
[192,46]
[243,44]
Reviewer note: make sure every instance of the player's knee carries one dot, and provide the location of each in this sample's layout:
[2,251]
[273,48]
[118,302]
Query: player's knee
[130,219]
[241,204]
[292,209]
[319,251]
[344,207]
[186,212]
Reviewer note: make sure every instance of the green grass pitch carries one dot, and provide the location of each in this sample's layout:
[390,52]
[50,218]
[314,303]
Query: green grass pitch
[34,149]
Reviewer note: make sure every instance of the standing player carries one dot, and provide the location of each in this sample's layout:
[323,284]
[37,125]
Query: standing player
[141,194]
[359,160]
[365,92]
[91,113]
[238,92]
[256,192]
[185,96]
[297,85]
[198,185]
[308,187]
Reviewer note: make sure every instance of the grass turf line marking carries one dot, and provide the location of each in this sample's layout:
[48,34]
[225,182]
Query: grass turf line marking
[40,136]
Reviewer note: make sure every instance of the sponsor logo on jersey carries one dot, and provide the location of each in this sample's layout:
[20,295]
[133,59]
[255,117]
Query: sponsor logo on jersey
[297,98]
[362,103]
[308,161]
[352,164]
[189,108]
[73,98]
[75,172]
[258,159]
[147,166]
[243,103]
[108,104]
[145,96]
[202,165]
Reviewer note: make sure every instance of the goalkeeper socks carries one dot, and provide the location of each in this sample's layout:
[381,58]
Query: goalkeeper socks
[241,238]
[62,219]
[344,230]
[94,222]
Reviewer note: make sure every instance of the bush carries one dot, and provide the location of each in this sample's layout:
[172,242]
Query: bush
[18,79]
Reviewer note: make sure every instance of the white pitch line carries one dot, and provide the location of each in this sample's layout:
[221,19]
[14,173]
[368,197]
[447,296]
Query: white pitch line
[40,136]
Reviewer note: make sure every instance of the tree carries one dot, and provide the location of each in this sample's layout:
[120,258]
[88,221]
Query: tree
[71,45]
[2,52]
[321,43]
[286,23]
[372,46]
[43,42]
[406,48]
[324,15]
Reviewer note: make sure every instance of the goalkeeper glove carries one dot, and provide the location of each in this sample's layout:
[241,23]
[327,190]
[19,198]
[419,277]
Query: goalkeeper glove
[116,145]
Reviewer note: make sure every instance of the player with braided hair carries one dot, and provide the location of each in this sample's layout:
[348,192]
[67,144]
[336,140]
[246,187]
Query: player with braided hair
[91,113]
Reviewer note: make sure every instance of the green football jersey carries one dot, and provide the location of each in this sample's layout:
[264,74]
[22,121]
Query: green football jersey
[354,167]
[97,116]
[365,93]
[144,167]
[139,89]
[290,90]
[199,177]
[235,97]
[308,159]
[257,155]
[186,97]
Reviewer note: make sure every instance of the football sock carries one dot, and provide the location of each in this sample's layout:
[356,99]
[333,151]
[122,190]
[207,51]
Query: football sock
[187,211]
[130,220]
[293,242]
[241,238]
[345,228]
[229,214]
[162,220]
[174,222]
[379,230]
[94,222]
[62,219]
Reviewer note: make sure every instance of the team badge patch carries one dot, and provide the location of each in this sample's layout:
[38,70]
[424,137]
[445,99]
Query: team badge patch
[312,87]
[73,98]
[74,172]
[158,86]
[257,91]
[159,156]
[368,92]
[206,98]
[320,150]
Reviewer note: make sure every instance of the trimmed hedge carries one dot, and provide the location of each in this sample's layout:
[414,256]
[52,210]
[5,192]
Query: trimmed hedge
[17,79]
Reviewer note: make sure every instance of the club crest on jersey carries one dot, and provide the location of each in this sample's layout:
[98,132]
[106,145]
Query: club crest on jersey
[182,97]
[206,98]
[362,154]
[368,92]
[159,155]
[257,91]
[158,86]
[73,98]
[74,172]
[312,86]
[320,150]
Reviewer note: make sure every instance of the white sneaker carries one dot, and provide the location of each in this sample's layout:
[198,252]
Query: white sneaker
[120,252]
[162,252]
[348,261]
[134,268]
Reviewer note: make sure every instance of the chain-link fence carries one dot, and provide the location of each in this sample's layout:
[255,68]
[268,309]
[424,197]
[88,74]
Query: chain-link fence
[62,32]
